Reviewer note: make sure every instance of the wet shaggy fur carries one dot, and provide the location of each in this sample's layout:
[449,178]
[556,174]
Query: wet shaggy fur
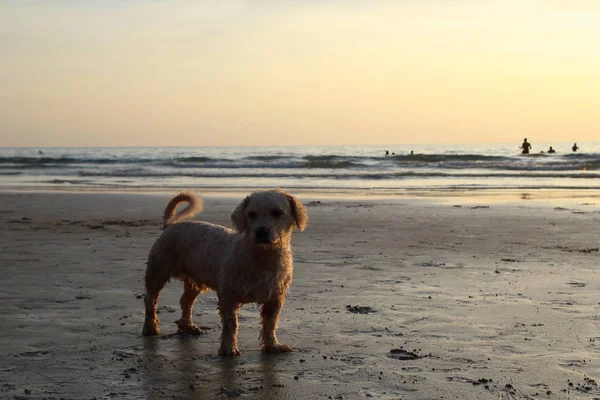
[252,264]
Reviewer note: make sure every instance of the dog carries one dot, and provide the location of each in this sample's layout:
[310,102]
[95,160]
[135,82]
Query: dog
[252,264]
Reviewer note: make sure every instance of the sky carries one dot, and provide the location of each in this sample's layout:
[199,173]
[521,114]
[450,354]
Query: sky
[298,72]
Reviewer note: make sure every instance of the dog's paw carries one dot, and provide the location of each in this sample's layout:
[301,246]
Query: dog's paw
[277,348]
[229,351]
[151,329]
[193,330]
[189,328]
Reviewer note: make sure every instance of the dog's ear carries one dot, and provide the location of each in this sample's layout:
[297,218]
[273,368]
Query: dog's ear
[238,216]
[298,212]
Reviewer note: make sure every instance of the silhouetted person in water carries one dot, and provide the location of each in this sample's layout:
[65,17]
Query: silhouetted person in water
[412,153]
[575,148]
[525,146]
[387,153]
[551,150]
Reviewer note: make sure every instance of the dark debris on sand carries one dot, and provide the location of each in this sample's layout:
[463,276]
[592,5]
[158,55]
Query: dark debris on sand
[402,354]
[360,309]
[574,250]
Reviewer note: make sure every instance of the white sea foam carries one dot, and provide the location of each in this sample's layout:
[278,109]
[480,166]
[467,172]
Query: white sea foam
[347,167]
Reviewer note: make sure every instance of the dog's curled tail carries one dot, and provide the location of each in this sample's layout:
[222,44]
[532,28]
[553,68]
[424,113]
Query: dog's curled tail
[194,206]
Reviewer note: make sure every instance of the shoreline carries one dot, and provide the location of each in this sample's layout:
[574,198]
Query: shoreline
[491,196]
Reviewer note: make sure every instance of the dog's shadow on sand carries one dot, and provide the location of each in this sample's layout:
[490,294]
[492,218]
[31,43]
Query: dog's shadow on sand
[177,365]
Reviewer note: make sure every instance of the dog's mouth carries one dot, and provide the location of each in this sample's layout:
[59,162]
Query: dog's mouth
[266,243]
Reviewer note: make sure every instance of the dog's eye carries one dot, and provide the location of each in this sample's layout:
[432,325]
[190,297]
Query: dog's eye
[252,215]
[276,213]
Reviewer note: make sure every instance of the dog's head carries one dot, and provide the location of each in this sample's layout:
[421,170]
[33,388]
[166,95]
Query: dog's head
[268,217]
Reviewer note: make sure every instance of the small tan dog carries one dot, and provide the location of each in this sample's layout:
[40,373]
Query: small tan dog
[252,265]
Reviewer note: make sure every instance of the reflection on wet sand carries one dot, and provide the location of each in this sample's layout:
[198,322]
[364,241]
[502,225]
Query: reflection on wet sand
[175,366]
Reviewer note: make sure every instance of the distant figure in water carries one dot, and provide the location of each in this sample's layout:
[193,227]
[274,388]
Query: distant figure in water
[575,148]
[393,154]
[41,153]
[525,146]
[387,153]
[412,153]
[551,150]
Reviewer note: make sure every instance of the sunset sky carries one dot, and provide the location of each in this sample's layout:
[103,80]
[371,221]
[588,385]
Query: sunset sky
[266,72]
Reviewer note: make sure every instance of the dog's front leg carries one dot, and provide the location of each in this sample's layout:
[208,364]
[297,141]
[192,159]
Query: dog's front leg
[269,316]
[229,319]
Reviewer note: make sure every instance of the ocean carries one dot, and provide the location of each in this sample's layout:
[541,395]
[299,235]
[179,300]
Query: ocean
[346,168]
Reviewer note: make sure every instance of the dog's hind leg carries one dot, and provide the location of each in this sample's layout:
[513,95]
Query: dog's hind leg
[190,291]
[155,279]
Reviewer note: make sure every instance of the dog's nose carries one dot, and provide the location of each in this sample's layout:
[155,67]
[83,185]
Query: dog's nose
[261,234]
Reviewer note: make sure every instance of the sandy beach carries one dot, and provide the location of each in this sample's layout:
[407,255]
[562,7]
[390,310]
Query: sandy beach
[392,298]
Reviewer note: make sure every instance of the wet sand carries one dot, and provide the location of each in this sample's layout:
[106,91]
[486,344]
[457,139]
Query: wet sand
[392,298]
